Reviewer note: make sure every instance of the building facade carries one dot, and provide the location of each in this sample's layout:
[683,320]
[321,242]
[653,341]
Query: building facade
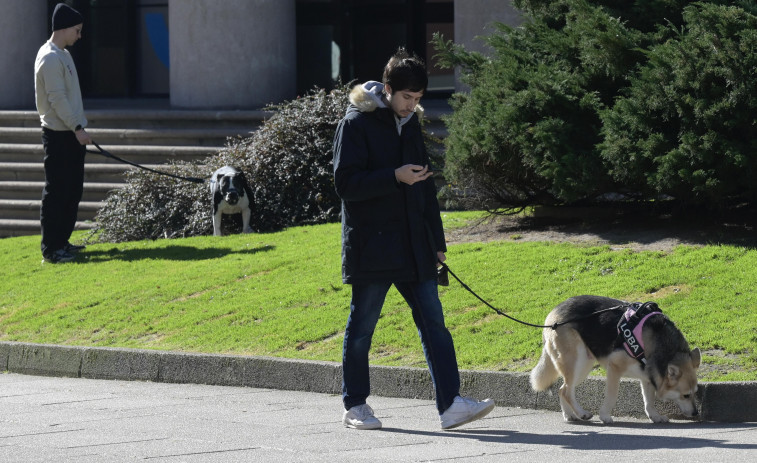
[237,54]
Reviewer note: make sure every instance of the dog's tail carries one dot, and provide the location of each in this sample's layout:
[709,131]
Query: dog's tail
[544,373]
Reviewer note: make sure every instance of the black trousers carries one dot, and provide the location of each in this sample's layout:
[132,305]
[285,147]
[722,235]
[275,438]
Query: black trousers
[64,184]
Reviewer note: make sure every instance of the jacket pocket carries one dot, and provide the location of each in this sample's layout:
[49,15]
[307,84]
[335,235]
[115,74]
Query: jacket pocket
[382,250]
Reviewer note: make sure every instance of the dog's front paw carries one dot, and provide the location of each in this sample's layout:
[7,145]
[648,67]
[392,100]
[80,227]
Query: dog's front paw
[657,418]
[606,419]
[569,417]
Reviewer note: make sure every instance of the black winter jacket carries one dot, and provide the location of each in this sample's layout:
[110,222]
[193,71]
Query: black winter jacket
[390,231]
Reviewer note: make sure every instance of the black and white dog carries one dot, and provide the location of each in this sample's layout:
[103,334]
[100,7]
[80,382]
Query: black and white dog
[230,195]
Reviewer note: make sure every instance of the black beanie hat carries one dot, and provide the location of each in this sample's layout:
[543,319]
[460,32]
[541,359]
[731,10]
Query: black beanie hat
[64,17]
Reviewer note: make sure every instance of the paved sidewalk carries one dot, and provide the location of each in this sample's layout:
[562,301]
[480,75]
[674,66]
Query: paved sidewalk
[721,402]
[45,419]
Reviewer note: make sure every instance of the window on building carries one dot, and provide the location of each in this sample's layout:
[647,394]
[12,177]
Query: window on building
[124,48]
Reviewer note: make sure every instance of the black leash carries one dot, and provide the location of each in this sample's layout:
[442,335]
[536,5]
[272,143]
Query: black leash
[445,268]
[108,154]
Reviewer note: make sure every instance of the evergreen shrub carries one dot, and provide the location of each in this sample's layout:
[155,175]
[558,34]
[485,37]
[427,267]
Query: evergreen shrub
[603,100]
[527,131]
[685,127]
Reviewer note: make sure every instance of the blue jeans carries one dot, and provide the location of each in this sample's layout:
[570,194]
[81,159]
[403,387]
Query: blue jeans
[365,308]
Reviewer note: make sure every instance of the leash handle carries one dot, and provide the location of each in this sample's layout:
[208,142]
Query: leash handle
[554,326]
[108,154]
[99,150]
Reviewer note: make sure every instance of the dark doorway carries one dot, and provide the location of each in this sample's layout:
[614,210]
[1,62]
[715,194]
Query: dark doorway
[352,39]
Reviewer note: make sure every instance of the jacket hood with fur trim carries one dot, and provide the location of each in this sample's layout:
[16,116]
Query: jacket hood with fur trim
[368,96]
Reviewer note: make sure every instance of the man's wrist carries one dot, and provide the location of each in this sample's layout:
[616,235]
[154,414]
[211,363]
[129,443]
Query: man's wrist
[78,127]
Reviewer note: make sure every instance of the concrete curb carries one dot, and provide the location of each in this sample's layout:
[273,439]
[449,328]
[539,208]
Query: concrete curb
[724,402]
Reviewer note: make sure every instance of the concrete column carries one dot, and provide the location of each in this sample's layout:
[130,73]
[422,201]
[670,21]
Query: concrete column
[474,18]
[23,29]
[231,54]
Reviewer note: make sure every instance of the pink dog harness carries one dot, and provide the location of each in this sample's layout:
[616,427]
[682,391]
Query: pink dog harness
[630,326]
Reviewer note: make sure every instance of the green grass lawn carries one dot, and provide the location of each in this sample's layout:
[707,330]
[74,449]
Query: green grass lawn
[281,294]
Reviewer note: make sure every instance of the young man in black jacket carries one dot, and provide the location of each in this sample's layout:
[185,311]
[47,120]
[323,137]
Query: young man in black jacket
[392,235]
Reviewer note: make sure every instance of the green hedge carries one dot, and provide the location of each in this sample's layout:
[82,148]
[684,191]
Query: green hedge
[686,125]
[591,100]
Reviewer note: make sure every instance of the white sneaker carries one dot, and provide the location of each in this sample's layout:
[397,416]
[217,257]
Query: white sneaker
[360,417]
[464,410]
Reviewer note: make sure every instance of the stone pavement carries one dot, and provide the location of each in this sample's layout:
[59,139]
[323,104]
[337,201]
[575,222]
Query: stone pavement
[45,419]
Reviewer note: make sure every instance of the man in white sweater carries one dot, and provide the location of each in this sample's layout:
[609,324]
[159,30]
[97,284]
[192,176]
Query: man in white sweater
[61,111]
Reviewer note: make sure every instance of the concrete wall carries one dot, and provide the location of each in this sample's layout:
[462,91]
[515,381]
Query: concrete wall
[474,18]
[231,54]
[22,31]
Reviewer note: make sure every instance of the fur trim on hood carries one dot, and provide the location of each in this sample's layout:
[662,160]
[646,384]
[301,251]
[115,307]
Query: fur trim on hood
[367,97]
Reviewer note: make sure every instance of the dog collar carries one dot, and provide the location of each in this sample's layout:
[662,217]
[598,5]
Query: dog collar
[630,326]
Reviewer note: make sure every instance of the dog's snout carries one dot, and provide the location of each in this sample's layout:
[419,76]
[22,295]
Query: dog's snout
[232,198]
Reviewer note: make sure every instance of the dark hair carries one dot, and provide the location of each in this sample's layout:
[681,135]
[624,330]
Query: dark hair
[405,72]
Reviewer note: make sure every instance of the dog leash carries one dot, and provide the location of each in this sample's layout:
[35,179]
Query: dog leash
[108,154]
[445,268]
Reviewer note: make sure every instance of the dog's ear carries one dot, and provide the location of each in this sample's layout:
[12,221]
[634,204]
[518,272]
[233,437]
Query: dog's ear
[219,176]
[673,373]
[652,306]
[238,183]
[696,357]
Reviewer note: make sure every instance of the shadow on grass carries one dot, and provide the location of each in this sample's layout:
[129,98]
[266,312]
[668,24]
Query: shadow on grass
[178,253]
[619,226]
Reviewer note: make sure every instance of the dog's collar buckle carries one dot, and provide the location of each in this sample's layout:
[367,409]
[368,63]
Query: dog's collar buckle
[630,326]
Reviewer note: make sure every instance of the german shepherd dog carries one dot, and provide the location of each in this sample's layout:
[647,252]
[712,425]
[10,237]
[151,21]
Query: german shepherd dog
[572,349]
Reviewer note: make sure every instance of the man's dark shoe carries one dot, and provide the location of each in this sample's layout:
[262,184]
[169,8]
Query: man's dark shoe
[73,248]
[58,257]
